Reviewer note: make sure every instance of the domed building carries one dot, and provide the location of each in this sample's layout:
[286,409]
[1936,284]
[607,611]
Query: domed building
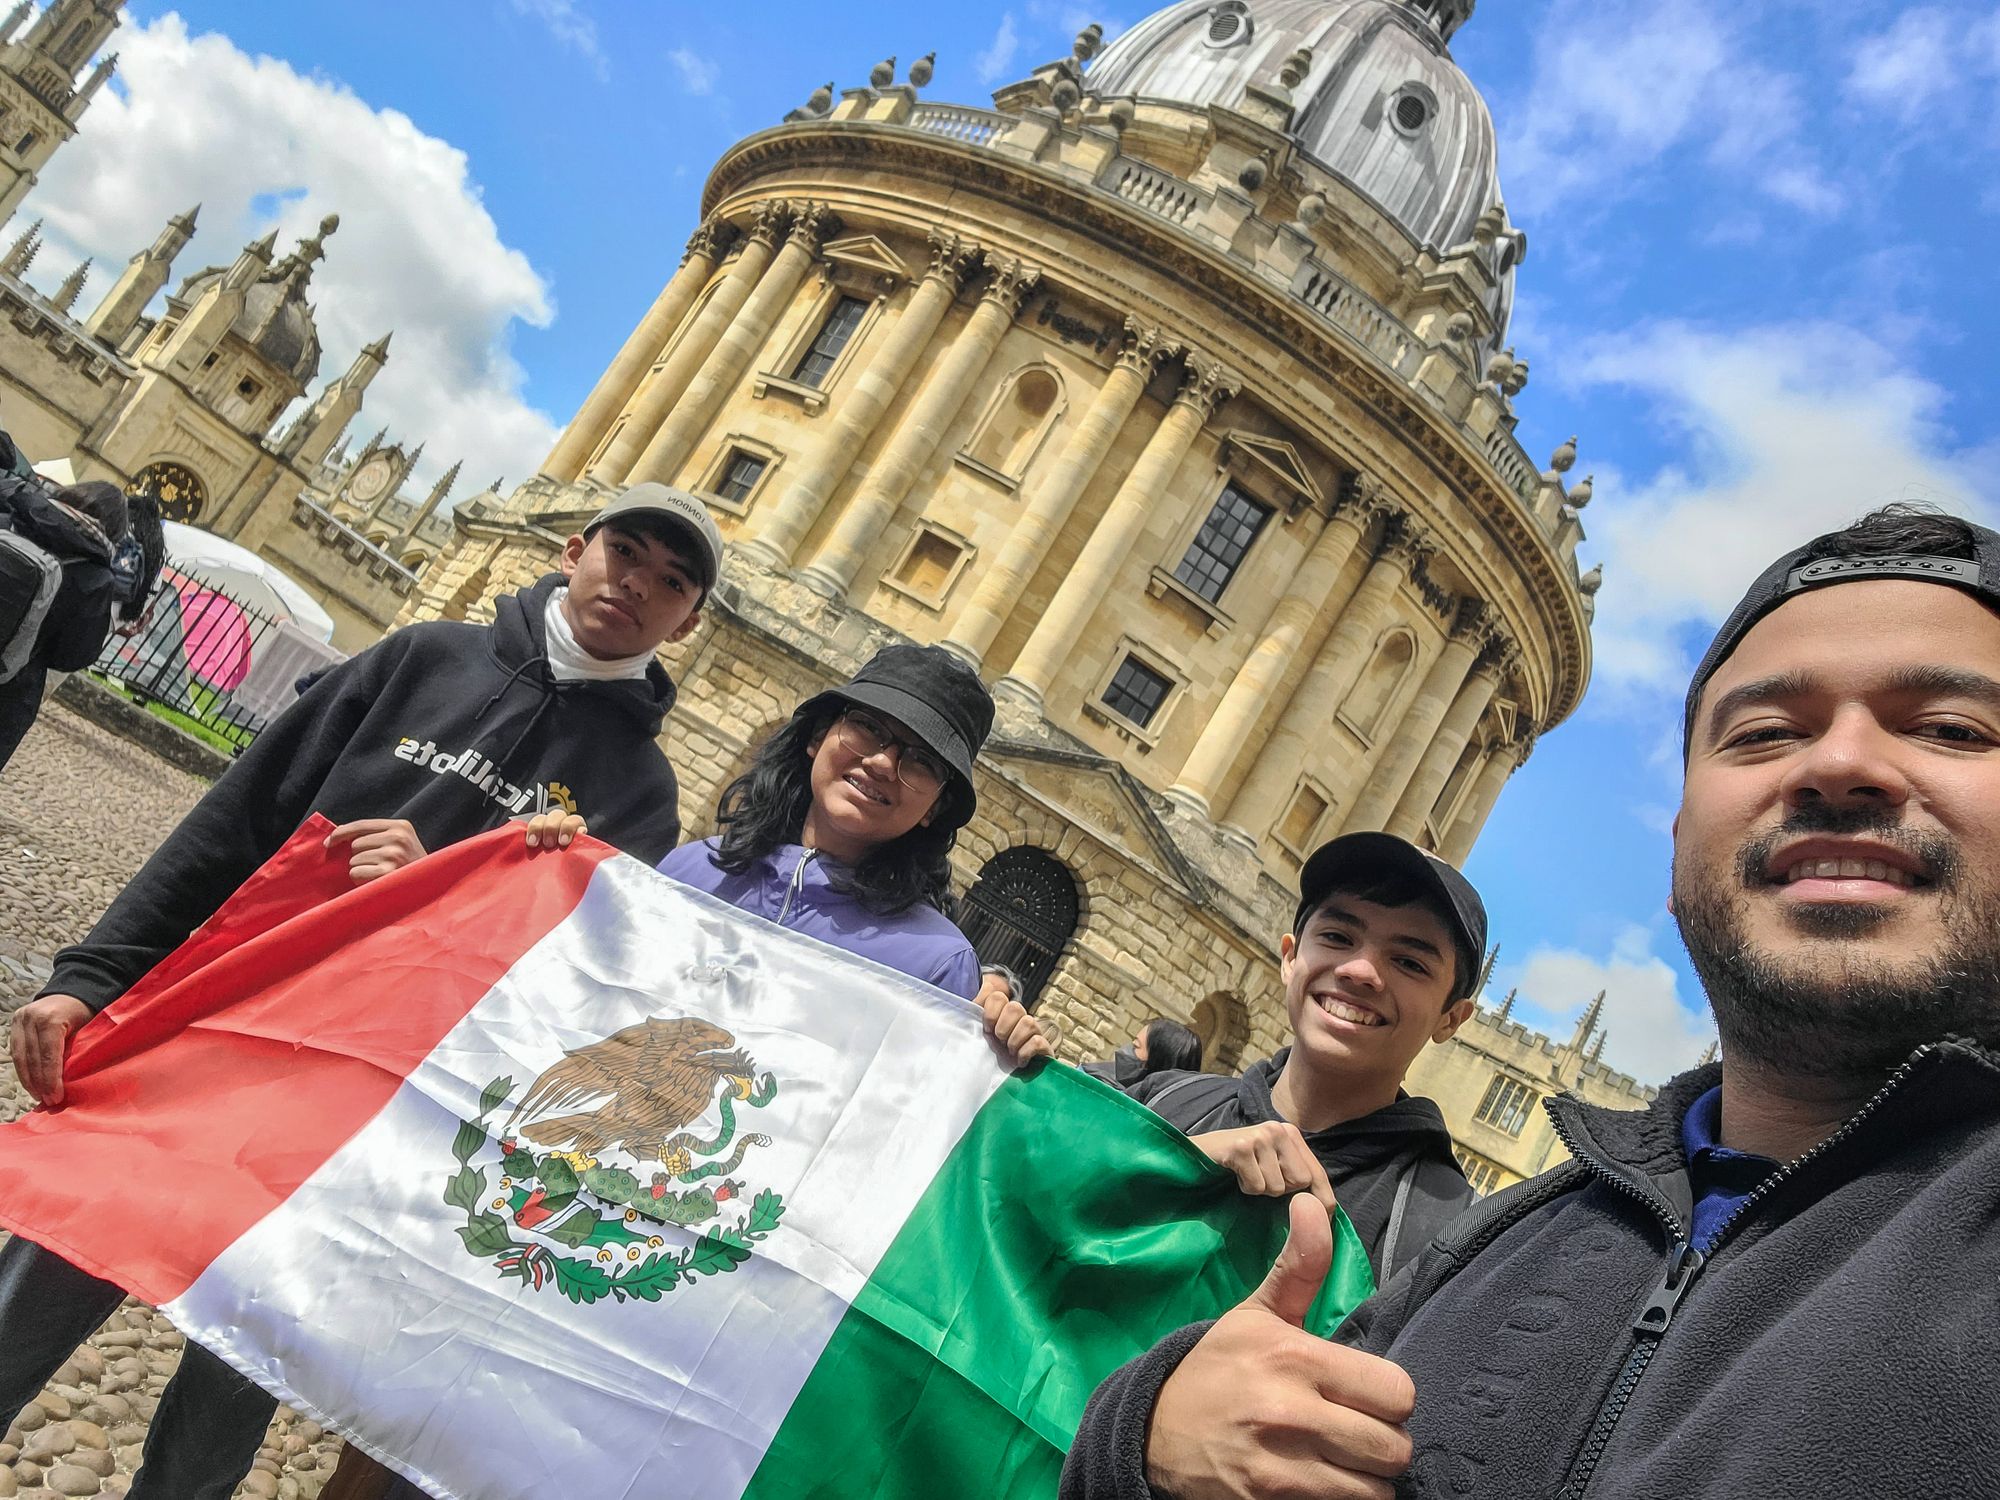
[1173,393]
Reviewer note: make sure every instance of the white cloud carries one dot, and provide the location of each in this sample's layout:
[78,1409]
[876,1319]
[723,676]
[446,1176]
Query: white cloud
[260,145]
[993,63]
[1618,85]
[1903,69]
[570,27]
[1650,1033]
[698,73]
[1789,430]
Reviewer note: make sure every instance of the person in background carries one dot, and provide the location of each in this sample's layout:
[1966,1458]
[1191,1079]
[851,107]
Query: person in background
[1161,1046]
[108,550]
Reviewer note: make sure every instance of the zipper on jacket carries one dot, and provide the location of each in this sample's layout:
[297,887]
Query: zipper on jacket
[796,884]
[1684,1263]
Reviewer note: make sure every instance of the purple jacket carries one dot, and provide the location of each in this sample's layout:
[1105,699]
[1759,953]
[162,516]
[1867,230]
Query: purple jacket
[789,886]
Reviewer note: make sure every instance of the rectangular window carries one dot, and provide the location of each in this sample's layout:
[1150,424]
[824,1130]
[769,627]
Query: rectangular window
[928,567]
[1301,819]
[1219,547]
[1481,1173]
[1507,1104]
[740,473]
[1136,691]
[833,335]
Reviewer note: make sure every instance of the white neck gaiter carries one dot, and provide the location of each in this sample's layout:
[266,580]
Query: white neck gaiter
[569,662]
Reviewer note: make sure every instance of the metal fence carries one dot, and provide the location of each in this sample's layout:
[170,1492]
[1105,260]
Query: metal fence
[189,656]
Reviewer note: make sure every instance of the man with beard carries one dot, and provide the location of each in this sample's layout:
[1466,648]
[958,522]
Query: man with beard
[1784,1276]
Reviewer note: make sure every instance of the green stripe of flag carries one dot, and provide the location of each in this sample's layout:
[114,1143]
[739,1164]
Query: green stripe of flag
[1068,1231]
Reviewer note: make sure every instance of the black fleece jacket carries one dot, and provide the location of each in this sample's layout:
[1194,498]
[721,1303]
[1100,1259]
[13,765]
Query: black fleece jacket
[1366,1160]
[456,728]
[1841,1341]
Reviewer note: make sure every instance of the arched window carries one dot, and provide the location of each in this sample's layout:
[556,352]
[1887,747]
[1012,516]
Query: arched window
[1014,426]
[1021,912]
[1368,701]
[1223,1024]
[176,489]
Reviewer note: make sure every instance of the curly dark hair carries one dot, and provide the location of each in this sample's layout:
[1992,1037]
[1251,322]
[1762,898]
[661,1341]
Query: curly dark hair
[766,807]
[1905,528]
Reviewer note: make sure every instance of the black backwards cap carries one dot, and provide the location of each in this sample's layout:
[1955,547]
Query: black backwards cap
[1800,570]
[1356,857]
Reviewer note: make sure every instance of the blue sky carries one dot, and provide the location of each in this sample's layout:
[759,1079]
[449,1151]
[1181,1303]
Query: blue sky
[1756,288]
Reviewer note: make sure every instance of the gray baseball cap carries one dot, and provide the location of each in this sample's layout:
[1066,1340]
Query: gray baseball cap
[683,510]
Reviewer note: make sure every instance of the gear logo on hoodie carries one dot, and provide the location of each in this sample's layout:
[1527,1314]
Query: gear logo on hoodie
[483,774]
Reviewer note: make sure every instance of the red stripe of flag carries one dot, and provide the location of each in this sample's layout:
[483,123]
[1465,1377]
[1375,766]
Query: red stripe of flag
[206,1096]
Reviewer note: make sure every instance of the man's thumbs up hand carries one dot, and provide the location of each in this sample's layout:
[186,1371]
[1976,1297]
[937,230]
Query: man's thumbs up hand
[1262,1410]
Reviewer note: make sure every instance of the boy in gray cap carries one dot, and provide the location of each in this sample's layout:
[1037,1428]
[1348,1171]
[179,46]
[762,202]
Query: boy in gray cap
[440,731]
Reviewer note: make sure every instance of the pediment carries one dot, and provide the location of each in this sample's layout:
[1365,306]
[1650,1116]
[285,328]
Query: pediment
[1102,800]
[867,253]
[1276,462]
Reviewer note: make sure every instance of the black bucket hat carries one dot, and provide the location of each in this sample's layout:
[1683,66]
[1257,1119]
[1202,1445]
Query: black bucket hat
[939,698]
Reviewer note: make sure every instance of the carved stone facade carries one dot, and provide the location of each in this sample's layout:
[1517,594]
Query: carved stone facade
[187,404]
[1199,455]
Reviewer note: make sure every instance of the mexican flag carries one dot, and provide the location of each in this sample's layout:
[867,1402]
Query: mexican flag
[551,1176]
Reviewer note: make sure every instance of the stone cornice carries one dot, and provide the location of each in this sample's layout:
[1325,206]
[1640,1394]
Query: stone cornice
[791,158]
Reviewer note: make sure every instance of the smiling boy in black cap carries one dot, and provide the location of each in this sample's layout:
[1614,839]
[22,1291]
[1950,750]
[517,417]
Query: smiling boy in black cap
[1381,961]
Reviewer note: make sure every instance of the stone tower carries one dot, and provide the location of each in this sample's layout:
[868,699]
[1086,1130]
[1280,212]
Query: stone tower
[41,97]
[1174,393]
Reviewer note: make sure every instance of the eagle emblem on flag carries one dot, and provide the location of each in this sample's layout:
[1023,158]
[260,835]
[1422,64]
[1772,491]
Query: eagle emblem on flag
[632,1192]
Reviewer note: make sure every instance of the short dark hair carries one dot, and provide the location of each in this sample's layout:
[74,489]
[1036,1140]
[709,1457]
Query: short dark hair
[104,503]
[1396,888]
[1906,528]
[1171,1047]
[676,536]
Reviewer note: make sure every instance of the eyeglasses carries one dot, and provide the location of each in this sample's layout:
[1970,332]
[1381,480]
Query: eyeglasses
[916,767]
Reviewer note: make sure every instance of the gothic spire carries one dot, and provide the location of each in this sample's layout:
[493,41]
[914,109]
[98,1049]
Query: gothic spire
[18,258]
[71,289]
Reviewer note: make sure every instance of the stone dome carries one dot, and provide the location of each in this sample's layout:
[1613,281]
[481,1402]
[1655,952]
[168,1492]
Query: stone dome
[1384,106]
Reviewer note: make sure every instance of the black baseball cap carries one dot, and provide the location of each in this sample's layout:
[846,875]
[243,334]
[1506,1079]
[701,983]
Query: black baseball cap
[1351,860]
[1800,571]
[938,696]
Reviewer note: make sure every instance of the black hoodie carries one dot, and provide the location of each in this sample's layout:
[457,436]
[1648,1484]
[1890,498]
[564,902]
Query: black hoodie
[1837,1342]
[1366,1160]
[456,728]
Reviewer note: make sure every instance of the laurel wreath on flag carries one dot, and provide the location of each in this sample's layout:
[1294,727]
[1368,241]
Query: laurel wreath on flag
[621,1254]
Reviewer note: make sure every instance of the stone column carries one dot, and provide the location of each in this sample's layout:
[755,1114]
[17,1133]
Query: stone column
[876,384]
[1226,736]
[656,397]
[736,348]
[1454,733]
[1047,508]
[881,491]
[1412,737]
[1501,762]
[616,385]
[1308,717]
[1205,385]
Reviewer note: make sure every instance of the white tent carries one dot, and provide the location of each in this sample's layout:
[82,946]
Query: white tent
[241,572]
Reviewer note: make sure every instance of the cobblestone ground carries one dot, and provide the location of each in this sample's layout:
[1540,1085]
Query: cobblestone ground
[80,810]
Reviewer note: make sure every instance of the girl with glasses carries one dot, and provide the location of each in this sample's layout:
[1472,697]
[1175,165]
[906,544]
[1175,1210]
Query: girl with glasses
[843,824]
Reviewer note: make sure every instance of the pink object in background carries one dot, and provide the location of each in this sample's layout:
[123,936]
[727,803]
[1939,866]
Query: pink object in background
[215,636]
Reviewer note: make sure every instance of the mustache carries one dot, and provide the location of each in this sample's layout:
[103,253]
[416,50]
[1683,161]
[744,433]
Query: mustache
[1937,856]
